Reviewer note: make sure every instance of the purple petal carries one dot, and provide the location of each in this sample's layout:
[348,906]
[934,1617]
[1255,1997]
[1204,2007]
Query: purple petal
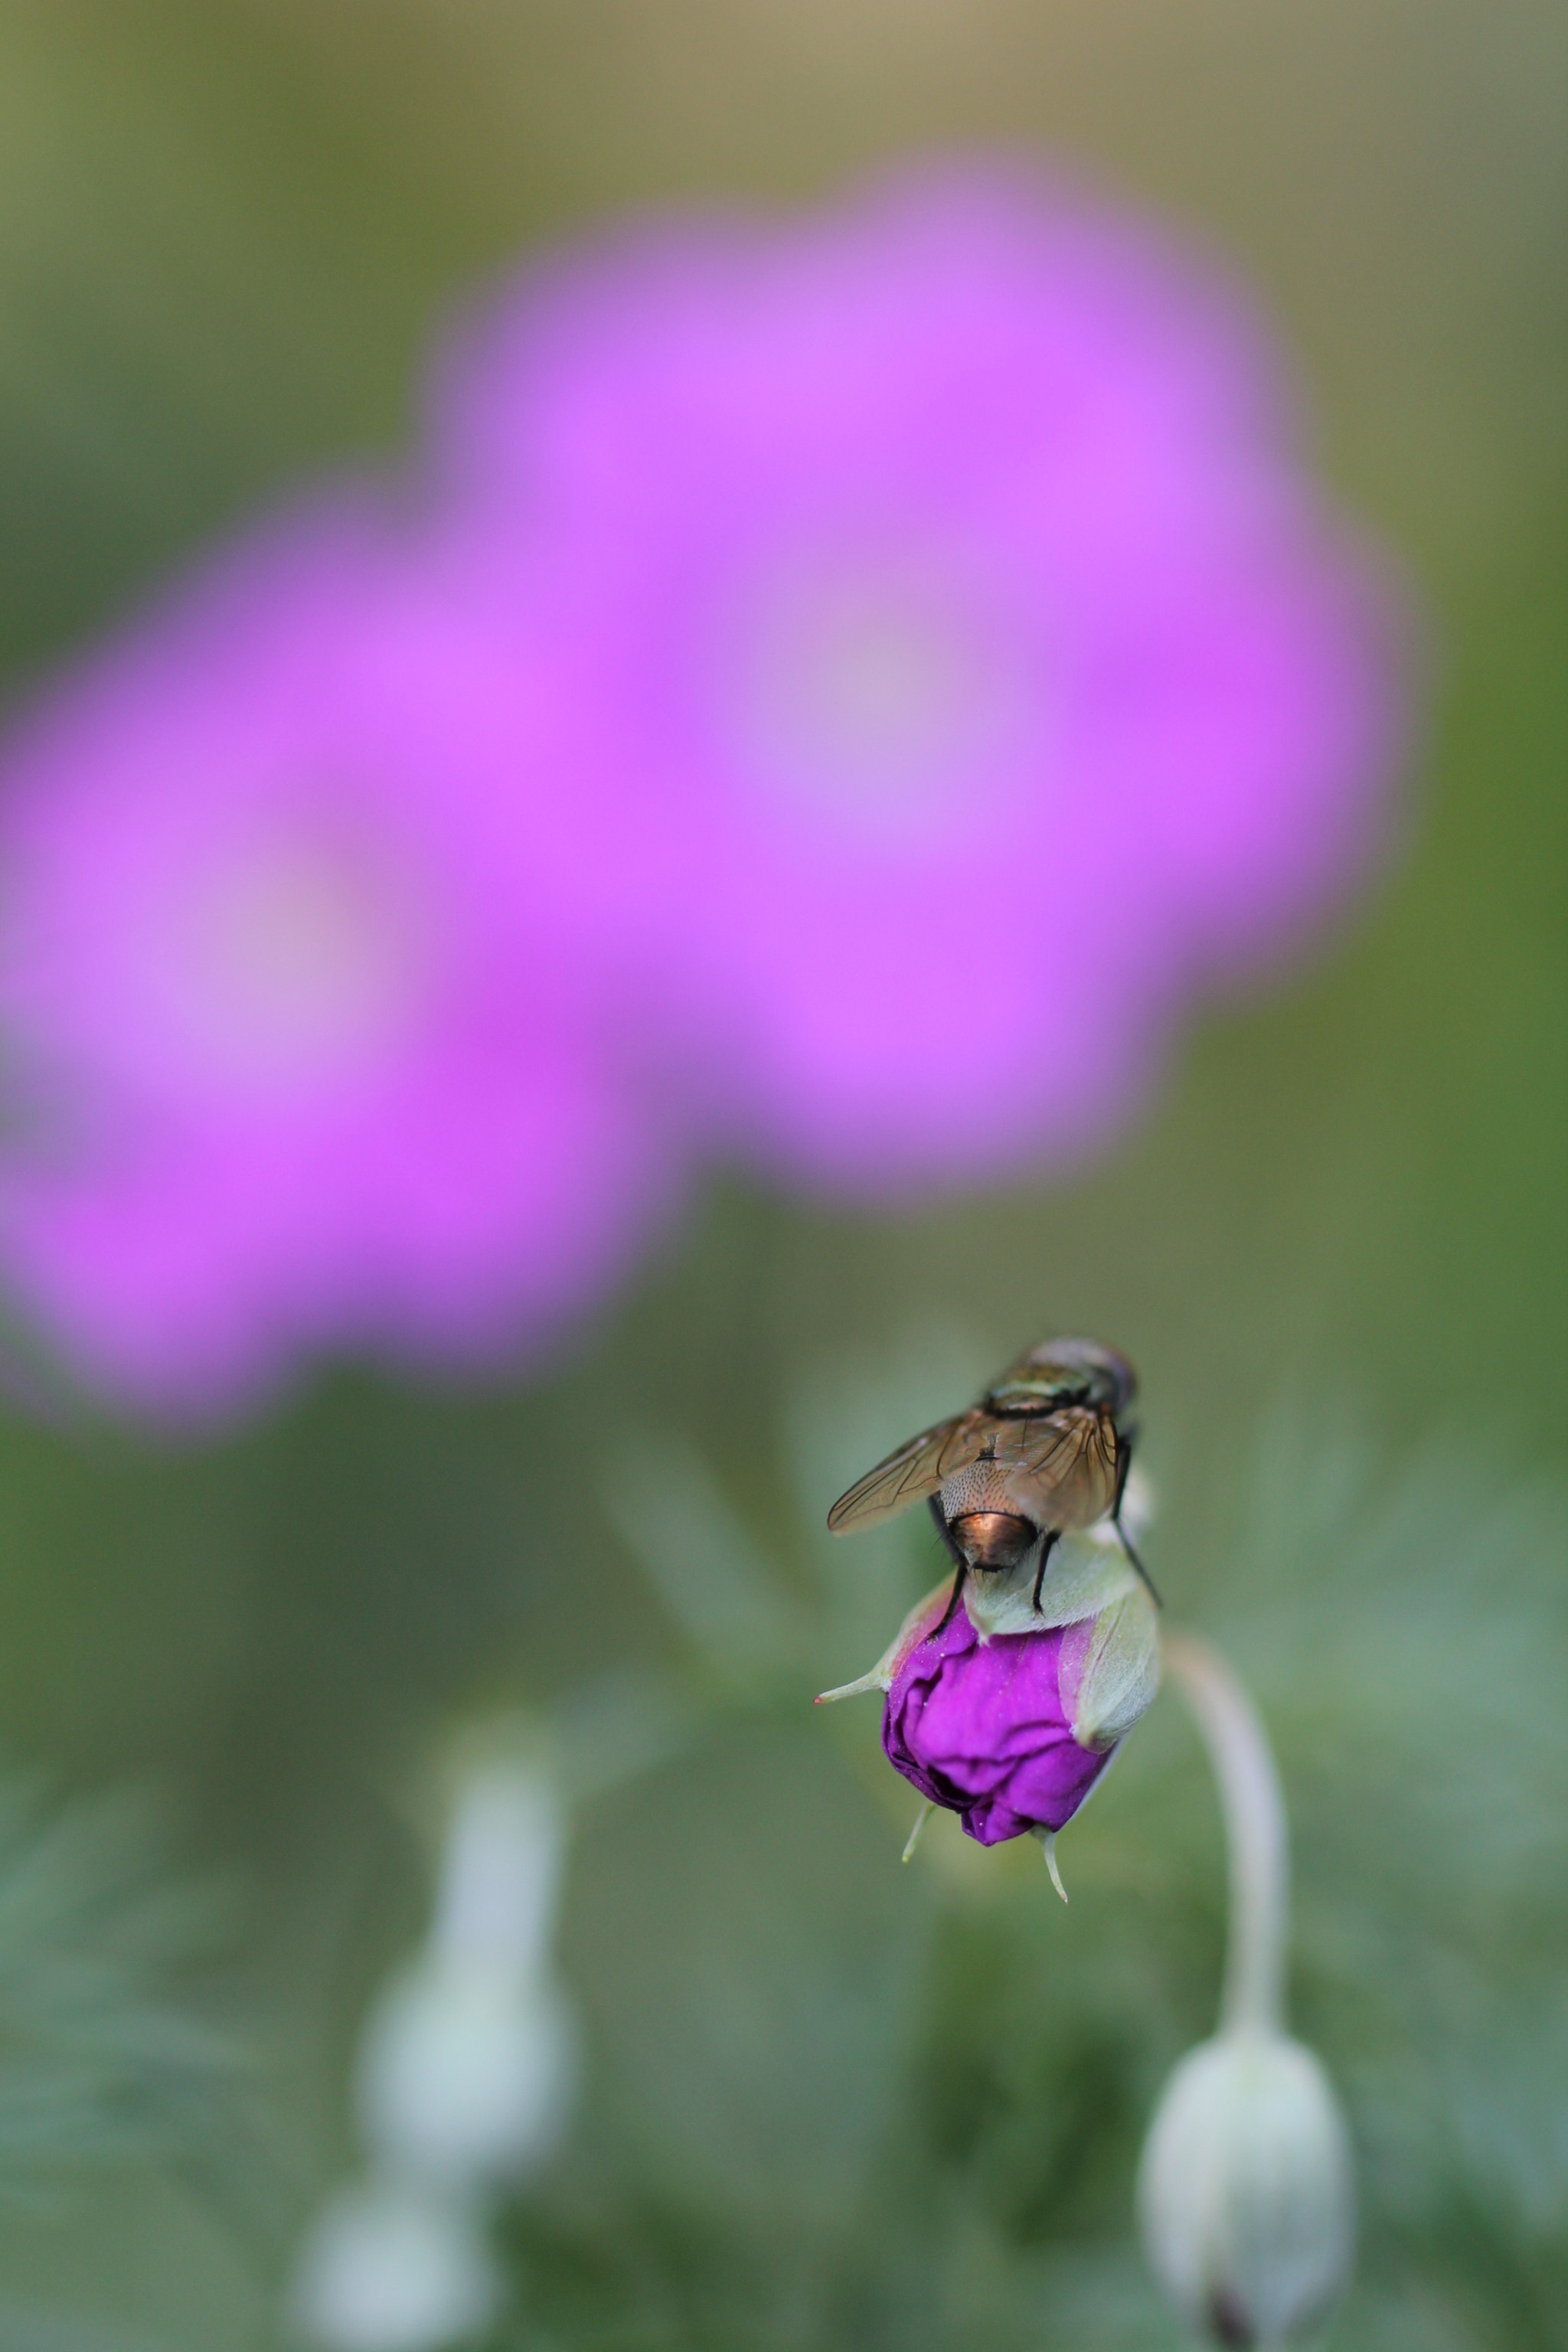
[983,1729]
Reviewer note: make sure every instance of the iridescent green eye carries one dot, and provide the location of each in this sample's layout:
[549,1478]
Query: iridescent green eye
[1045,1391]
[1063,1373]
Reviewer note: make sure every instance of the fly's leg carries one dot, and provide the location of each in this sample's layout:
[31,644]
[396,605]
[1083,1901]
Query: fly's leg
[959,1563]
[950,1541]
[1123,1464]
[1132,1556]
[1125,1441]
[948,1614]
[1047,1545]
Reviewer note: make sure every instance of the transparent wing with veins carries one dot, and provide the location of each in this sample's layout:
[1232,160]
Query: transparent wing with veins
[916,1470]
[1068,1456]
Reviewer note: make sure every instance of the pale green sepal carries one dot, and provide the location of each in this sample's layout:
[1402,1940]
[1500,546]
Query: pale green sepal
[1120,1672]
[874,1681]
[1048,1848]
[1083,1576]
[913,1839]
[915,1627]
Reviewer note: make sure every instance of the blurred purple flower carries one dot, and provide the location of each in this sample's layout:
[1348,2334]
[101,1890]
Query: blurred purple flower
[974,669]
[305,1037]
[985,1728]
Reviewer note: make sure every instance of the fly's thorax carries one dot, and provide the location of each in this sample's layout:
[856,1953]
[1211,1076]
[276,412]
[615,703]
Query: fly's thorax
[987,1487]
[1073,1489]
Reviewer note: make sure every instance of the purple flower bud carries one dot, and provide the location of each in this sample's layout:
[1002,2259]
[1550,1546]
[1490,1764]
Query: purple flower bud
[986,1728]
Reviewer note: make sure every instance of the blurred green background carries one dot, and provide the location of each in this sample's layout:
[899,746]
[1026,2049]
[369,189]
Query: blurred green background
[1335,1247]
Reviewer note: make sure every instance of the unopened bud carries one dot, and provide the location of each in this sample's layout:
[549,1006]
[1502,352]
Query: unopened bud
[388,2269]
[1006,1709]
[1244,2193]
[500,1869]
[466,2073]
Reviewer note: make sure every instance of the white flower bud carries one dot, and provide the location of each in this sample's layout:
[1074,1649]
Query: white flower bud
[387,2270]
[500,1870]
[1245,2192]
[464,2073]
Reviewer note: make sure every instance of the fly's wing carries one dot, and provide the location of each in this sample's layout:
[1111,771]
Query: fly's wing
[915,1471]
[1066,1460]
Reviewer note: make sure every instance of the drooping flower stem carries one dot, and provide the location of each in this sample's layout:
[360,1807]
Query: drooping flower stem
[1256,1833]
[1247,2185]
